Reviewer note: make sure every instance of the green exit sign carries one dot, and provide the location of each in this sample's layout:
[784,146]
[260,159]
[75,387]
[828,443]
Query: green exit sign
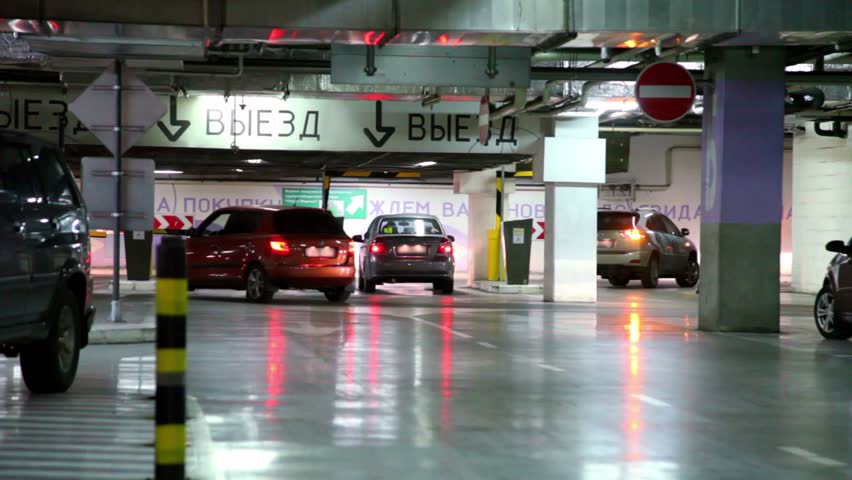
[342,202]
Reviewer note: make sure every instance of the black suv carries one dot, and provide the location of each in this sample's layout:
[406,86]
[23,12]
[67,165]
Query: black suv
[45,258]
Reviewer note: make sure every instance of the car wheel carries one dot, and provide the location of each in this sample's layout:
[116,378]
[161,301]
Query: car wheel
[258,287]
[49,366]
[445,287]
[337,295]
[651,273]
[361,286]
[619,280]
[690,278]
[369,286]
[824,316]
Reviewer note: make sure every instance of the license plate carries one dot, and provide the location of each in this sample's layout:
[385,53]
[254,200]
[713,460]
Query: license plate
[411,250]
[321,252]
[605,243]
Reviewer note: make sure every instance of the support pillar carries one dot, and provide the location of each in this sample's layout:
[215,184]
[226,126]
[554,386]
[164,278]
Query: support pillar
[326,189]
[743,150]
[571,164]
[822,191]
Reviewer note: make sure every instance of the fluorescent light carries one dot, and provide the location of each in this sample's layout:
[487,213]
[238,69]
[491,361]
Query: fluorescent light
[427,163]
[691,38]
[254,161]
[168,172]
[239,170]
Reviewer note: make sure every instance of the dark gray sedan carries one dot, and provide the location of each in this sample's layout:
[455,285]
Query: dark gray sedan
[406,248]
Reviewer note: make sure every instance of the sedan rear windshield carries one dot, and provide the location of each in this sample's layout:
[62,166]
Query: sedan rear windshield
[306,222]
[616,220]
[409,226]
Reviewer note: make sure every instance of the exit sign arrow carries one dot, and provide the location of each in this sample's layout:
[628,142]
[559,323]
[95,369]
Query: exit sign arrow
[386,132]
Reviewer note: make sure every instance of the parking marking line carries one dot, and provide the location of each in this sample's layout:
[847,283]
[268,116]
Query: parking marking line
[650,400]
[487,345]
[441,327]
[843,356]
[813,457]
[550,367]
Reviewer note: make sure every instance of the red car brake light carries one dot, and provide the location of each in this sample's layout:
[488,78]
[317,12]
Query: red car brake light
[280,247]
[446,247]
[351,248]
[377,246]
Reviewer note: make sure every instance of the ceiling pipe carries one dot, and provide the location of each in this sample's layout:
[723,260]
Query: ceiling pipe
[515,107]
[570,104]
[797,101]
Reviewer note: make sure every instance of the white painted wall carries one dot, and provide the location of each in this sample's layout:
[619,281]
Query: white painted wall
[822,193]
[647,164]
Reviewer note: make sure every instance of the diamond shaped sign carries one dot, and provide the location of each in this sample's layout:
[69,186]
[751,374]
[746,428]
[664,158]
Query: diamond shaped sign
[140,109]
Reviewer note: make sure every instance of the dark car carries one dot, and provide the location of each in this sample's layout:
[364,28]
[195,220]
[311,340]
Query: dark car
[645,245]
[261,250]
[833,307]
[406,248]
[45,260]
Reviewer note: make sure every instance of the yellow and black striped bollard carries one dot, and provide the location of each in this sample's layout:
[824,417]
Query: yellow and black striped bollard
[170,435]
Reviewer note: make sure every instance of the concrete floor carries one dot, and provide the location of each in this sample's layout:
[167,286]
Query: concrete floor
[409,385]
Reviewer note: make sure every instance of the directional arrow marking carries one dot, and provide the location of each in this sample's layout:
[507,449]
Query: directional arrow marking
[355,203]
[173,121]
[386,131]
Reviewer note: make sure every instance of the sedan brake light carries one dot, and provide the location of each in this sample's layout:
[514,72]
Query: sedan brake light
[377,246]
[351,248]
[280,247]
[446,247]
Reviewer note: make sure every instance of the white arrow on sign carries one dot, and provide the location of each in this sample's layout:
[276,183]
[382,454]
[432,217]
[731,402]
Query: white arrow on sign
[355,203]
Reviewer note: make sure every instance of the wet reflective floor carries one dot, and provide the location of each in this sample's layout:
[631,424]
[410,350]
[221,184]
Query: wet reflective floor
[405,384]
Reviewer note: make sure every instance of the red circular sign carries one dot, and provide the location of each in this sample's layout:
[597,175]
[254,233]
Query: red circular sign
[665,92]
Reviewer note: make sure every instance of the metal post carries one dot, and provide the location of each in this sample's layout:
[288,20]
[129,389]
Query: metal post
[115,314]
[326,189]
[170,408]
[501,197]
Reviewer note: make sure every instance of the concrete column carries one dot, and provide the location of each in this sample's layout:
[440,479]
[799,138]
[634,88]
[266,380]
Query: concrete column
[743,149]
[571,164]
[481,190]
[822,193]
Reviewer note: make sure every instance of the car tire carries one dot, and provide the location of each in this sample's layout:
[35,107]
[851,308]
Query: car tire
[619,280]
[651,274]
[445,287]
[361,286]
[258,287]
[337,295]
[693,273]
[824,317]
[369,286]
[49,366]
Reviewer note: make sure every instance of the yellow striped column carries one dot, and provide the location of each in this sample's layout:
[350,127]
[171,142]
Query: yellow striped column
[170,435]
[494,235]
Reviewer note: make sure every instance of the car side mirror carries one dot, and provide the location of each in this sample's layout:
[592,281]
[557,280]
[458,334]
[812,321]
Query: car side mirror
[451,238]
[837,246]
[684,232]
[358,238]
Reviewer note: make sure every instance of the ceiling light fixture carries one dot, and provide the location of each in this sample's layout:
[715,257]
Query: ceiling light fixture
[254,161]
[168,172]
[239,170]
[427,163]
[692,38]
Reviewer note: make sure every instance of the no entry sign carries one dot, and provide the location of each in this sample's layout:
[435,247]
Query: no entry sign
[665,92]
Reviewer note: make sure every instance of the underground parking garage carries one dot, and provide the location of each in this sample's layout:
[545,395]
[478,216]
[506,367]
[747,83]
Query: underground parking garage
[379,238]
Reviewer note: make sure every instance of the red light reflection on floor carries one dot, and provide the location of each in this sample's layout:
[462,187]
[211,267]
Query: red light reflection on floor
[276,359]
[446,367]
[374,355]
[350,348]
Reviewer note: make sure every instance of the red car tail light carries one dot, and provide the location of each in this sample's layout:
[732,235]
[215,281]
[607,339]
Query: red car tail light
[377,246]
[351,248]
[446,247]
[280,247]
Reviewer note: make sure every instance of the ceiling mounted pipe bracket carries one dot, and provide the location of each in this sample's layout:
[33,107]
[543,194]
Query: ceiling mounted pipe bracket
[838,129]
[491,69]
[371,69]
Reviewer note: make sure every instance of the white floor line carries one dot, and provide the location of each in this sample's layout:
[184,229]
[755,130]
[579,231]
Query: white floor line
[650,400]
[441,327]
[550,367]
[487,345]
[811,456]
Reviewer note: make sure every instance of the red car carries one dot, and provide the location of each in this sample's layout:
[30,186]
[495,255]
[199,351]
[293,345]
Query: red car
[261,250]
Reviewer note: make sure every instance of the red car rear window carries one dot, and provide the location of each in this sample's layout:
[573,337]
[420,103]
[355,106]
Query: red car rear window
[306,221]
